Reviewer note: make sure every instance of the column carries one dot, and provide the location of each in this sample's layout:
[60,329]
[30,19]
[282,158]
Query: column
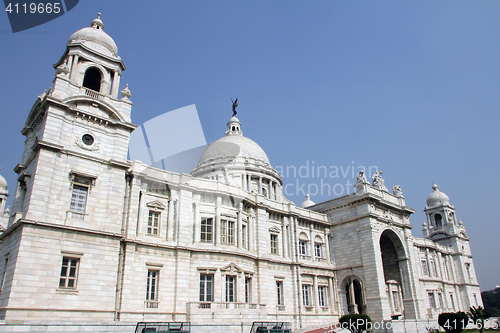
[327,246]
[116,84]
[244,181]
[352,306]
[249,183]
[73,68]
[238,232]
[251,232]
[170,220]
[271,189]
[285,239]
[260,185]
[217,221]
[197,223]
[311,239]
[314,293]
[69,63]
[331,300]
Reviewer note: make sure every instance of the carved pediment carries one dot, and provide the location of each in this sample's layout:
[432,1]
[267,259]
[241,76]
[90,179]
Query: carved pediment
[274,230]
[231,269]
[156,205]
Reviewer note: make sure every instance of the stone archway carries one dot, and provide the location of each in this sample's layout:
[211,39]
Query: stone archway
[355,295]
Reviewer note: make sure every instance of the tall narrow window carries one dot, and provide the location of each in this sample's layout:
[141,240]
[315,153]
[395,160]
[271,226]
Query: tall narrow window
[78,199]
[425,270]
[4,273]
[433,268]
[302,248]
[274,244]
[321,296]
[279,292]
[223,231]
[230,288]
[440,299]
[152,286]
[306,295]
[206,287]
[69,273]
[317,251]
[452,301]
[207,225]
[395,300]
[248,286]
[153,223]
[244,236]
[432,301]
[467,269]
[230,232]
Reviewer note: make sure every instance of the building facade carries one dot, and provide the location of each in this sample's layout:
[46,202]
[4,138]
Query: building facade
[92,236]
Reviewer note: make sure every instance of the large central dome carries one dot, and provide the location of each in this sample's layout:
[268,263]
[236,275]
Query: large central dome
[234,146]
[237,159]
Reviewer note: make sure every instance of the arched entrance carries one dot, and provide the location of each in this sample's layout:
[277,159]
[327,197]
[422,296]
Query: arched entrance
[355,297]
[92,79]
[392,252]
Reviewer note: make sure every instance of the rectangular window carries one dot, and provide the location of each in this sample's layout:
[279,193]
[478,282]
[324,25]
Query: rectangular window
[467,269]
[317,251]
[302,248]
[207,227]
[440,299]
[433,268]
[152,285]
[78,199]
[274,244]
[206,288]
[230,288]
[6,263]
[432,301]
[306,296]
[475,298]
[230,232]
[244,236]
[395,300]
[248,285]
[452,301]
[153,223]
[69,273]
[425,270]
[223,231]
[279,292]
[227,232]
[321,296]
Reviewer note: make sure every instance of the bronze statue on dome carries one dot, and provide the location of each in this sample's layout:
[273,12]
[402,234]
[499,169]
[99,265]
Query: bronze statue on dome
[235,105]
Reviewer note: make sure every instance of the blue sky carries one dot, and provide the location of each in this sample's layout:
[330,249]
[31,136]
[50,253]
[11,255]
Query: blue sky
[410,87]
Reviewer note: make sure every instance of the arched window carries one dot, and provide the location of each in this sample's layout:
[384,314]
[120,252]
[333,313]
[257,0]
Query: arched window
[437,219]
[92,79]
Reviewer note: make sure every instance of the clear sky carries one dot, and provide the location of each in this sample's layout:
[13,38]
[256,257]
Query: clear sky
[408,87]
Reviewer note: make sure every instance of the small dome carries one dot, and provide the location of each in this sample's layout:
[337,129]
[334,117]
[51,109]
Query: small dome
[233,146]
[308,202]
[3,183]
[96,38]
[437,197]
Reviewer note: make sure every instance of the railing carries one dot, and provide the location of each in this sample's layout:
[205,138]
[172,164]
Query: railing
[280,307]
[151,304]
[271,327]
[227,305]
[166,327]
[93,93]
[75,215]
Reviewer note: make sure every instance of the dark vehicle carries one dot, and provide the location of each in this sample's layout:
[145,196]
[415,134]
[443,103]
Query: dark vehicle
[163,327]
[271,327]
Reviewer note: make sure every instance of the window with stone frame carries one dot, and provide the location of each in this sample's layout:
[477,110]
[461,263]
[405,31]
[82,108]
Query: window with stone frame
[318,253]
[244,236]
[433,271]
[279,292]
[452,301]
[425,269]
[322,296]
[4,274]
[248,290]
[440,299]
[303,248]
[274,243]
[152,285]
[306,295]
[79,199]
[69,273]
[154,223]
[230,288]
[395,300]
[227,231]
[432,300]
[207,230]
[206,287]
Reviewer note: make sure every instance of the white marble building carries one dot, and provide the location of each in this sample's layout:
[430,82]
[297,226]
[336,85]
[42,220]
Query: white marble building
[92,236]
